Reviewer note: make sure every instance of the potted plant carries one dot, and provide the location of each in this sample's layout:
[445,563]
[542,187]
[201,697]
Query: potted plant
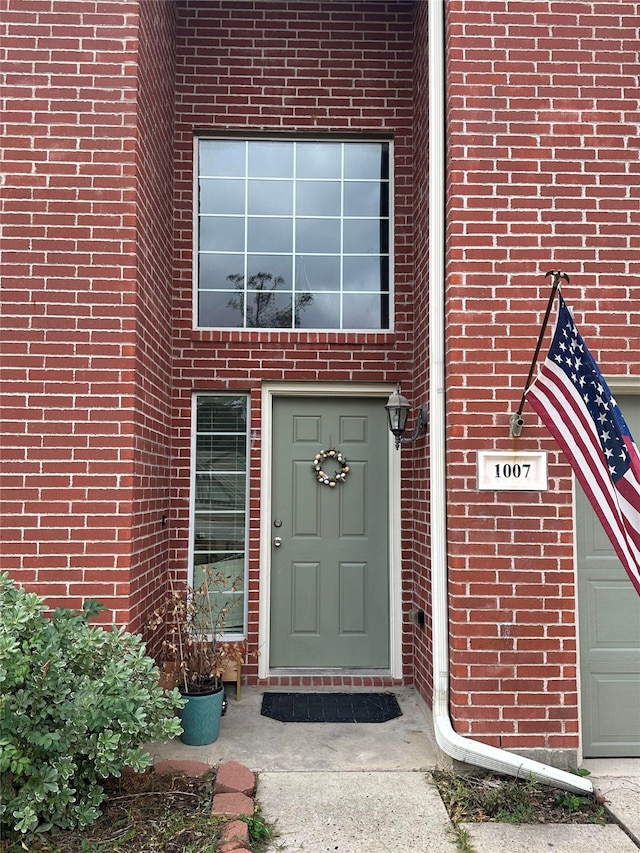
[194,649]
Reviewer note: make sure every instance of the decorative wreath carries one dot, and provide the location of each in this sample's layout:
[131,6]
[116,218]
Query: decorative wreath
[339,476]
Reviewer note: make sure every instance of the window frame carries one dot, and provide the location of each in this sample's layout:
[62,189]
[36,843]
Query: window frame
[229,636]
[390,254]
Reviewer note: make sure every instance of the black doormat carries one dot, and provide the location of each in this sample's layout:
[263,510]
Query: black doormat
[330,707]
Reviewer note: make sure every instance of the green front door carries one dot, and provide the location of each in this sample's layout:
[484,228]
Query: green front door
[329,545]
[609,619]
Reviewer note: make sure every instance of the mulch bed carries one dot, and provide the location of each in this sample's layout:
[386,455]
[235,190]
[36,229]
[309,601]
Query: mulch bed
[143,813]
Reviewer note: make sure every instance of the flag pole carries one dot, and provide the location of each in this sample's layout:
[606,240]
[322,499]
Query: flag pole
[516,421]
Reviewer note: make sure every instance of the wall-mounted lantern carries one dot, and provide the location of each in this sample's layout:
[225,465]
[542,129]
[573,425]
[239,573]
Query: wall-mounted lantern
[398,412]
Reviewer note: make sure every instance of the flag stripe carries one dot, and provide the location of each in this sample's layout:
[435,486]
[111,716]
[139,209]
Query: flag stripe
[573,400]
[599,490]
[598,487]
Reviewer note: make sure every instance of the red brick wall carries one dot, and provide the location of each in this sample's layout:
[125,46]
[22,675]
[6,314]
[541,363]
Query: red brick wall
[286,67]
[416,511]
[151,516]
[68,324]
[86,214]
[543,166]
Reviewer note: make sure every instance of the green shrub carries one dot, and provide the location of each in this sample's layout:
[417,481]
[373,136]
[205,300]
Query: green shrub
[76,705]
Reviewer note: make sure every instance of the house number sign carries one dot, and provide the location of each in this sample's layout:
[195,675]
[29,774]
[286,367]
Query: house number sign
[512,471]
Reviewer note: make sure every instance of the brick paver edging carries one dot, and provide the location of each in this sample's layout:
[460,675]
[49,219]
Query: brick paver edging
[232,799]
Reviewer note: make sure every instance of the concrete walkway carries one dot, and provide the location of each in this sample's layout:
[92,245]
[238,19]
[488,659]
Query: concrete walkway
[365,788]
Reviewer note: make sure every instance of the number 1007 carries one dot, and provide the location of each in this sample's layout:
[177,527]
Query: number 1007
[507,471]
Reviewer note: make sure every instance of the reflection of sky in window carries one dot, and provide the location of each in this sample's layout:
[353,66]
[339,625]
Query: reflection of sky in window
[318,160]
[270,235]
[270,159]
[221,234]
[362,236]
[222,157]
[221,195]
[361,311]
[317,273]
[362,273]
[323,313]
[215,310]
[318,235]
[318,198]
[215,270]
[270,198]
[362,160]
[363,198]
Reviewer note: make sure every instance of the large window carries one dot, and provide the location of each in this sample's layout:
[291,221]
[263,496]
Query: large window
[220,503]
[293,234]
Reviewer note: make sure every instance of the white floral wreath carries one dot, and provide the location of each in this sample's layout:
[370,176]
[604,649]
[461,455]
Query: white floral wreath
[339,476]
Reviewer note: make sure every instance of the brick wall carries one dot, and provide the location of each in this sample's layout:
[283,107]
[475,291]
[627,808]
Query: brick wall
[543,166]
[151,515]
[416,511]
[285,67]
[68,297]
[86,212]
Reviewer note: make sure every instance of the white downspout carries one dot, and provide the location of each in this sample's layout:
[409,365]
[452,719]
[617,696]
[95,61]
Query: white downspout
[453,744]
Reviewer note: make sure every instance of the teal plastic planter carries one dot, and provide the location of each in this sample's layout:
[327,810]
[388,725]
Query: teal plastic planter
[200,718]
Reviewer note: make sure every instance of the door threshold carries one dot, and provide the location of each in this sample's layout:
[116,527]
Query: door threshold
[315,673]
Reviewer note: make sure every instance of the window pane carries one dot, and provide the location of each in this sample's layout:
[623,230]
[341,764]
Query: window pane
[365,198]
[365,236]
[278,267]
[318,235]
[269,310]
[266,282]
[318,159]
[318,198]
[220,491]
[222,157]
[366,273]
[270,235]
[366,160]
[221,195]
[270,159]
[271,198]
[221,413]
[221,234]
[220,271]
[216,531]
[321,311]
[364,311]
[221,308]
[220,452]
[219,533]
[317,273]
[283,217]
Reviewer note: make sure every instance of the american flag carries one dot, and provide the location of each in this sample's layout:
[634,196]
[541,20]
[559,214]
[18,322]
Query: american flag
[573,400]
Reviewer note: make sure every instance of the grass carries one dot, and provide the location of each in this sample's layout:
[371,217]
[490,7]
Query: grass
[488,797]
[150,813]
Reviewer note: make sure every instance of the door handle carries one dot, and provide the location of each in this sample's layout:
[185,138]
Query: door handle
[277,541]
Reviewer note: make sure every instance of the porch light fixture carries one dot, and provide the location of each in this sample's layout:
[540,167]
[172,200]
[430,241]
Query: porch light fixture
[398,412]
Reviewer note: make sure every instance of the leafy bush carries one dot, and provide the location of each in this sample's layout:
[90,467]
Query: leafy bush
[76,705]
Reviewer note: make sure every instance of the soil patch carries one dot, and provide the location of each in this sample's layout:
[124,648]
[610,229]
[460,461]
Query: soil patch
[148,813]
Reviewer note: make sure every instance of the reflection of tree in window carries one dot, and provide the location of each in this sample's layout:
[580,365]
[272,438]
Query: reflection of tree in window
[264,311]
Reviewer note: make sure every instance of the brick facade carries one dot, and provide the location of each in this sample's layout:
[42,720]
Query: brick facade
[543,150]
[285,68]
[99,355]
